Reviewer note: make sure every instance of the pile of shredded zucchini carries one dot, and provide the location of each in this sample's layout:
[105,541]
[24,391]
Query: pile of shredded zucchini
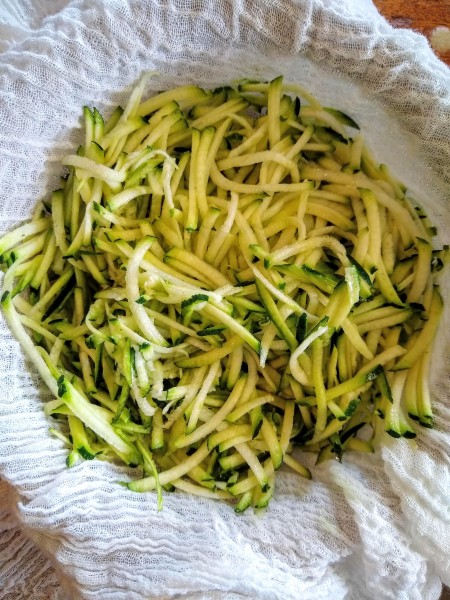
[225,275]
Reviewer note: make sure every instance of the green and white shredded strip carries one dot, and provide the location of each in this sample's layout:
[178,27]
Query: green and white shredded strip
[223,276]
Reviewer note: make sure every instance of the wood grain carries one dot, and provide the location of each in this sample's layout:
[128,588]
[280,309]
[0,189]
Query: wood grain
[421,15]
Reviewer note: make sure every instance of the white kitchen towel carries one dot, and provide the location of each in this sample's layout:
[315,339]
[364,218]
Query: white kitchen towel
[372,527]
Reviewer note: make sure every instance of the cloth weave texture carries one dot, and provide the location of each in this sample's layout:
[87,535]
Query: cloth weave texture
[373,527]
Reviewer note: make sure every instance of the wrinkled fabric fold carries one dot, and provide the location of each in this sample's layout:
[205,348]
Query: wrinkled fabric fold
[374,526]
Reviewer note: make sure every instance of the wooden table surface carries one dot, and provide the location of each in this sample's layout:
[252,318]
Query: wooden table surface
[424,16]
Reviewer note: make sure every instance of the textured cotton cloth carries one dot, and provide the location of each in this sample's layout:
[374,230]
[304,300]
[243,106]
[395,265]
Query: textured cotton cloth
[374,526]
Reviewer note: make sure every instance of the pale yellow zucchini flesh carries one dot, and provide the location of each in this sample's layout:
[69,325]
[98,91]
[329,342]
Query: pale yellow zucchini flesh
[225,276]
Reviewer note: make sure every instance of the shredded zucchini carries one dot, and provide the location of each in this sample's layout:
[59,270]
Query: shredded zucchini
[224,276]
